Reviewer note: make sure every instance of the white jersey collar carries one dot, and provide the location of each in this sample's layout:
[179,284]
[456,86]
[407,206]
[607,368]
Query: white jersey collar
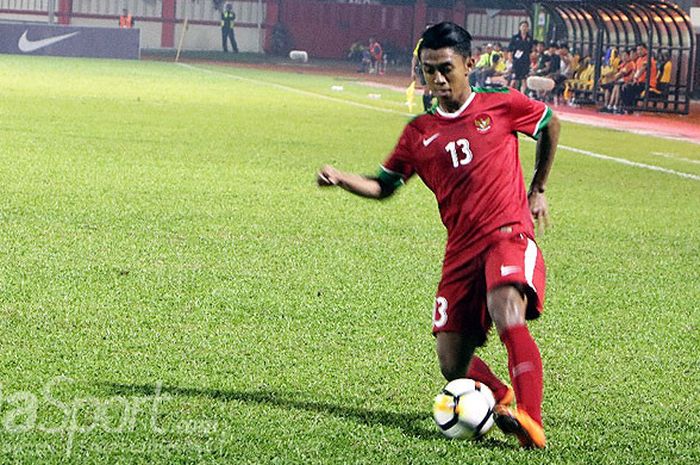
[461,109]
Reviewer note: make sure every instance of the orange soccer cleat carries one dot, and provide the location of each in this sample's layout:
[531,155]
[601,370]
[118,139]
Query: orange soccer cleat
[507,398]
[518,422]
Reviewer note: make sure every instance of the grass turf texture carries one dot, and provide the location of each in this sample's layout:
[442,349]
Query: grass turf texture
[162,232]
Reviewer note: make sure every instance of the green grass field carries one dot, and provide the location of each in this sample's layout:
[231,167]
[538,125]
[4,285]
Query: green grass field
[175,288]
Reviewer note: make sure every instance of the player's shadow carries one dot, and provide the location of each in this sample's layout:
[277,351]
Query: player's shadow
[410,423]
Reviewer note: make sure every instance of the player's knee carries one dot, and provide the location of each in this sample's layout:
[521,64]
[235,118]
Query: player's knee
[451,370]
[507,306]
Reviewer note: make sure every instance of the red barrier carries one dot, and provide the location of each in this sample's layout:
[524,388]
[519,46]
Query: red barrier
[167,37]
[327,30]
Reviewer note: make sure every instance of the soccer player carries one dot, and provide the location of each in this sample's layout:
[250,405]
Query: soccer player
[466,152]
[417,75]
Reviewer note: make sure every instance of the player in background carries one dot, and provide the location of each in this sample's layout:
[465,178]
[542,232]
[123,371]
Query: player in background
[417,75]
[376,52]
[126,21]
[466,152]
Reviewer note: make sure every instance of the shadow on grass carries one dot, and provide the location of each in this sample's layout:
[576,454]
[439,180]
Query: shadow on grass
[409,423]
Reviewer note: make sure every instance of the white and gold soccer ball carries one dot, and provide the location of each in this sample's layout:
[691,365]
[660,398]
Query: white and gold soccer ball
[464,409]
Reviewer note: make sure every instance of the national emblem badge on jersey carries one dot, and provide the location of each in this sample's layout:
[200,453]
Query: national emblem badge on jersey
[483,123]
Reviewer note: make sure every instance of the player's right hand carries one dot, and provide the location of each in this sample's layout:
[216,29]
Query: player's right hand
[328,176]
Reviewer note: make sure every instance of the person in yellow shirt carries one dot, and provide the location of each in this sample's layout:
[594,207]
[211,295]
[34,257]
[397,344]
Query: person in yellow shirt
[500,66]
[227,34]
[664,74]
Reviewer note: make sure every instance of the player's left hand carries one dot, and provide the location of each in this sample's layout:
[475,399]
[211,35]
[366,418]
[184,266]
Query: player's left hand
[539,211]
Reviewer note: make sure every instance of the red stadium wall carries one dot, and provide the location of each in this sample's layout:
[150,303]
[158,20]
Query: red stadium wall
[327,30]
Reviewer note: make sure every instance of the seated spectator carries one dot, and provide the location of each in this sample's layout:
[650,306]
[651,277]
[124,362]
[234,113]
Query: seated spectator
[581,80]
[543,60]
[565,72]
[622,77]
[664,73]
[631,92]
[607,79]
[552,70]
[492,76]
[485,57]
[376,58]
[476,77]
[477,54]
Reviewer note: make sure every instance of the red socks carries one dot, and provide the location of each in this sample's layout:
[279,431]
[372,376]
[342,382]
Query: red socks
[480,371]
[525,368]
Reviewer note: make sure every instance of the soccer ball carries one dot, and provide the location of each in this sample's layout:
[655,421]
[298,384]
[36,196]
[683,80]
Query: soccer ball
[463,409]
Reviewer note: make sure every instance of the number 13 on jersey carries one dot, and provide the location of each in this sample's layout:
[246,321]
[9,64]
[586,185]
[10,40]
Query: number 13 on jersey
[459,159]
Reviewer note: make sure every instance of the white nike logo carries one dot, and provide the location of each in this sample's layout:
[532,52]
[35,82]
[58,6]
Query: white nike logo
[25,45]
[508,269]
[426,142]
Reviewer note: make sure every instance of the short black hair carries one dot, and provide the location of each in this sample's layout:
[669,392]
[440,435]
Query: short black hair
[447,34]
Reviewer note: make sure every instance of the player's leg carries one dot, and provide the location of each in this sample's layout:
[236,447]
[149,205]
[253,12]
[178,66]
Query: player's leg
[515,281]
[460,325]
[507,306]
[454,351]
[457,360]
[480,371]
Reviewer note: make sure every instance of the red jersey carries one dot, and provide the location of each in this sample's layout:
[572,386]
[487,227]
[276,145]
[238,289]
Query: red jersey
[469,159]
[375,49]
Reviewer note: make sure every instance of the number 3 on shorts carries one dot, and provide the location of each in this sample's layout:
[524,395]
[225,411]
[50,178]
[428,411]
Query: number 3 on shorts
[440,313]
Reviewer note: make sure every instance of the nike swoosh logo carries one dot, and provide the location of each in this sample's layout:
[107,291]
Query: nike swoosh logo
[25,45]
[506,270]
[426,142]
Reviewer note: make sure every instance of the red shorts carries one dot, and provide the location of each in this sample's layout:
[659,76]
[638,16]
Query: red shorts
[460,304]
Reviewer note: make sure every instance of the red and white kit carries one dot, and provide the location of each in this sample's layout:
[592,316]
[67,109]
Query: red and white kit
[469,159]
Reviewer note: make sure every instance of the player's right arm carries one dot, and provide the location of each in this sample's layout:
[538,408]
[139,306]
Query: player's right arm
[395,170]
[379,187]
[359,185]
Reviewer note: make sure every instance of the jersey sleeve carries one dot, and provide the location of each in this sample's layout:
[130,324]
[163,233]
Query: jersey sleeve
[528,116]
[399,166]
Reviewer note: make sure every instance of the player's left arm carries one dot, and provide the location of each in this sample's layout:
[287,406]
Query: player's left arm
[539,122]
[544,158]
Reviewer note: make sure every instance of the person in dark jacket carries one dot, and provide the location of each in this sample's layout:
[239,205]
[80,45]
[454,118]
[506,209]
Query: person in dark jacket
[227,18]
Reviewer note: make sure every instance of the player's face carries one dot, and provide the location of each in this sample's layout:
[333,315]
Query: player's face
[446,73]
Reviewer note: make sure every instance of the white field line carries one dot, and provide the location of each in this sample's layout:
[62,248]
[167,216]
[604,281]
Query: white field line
[624,161]
[587,153]
[298,91]
[673,156]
